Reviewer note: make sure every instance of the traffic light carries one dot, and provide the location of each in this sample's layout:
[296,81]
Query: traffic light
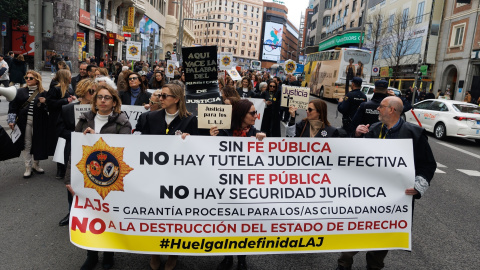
[152,41]
[175,46]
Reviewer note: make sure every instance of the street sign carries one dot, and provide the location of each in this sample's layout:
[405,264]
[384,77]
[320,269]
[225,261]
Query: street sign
[375,71]
[130,29]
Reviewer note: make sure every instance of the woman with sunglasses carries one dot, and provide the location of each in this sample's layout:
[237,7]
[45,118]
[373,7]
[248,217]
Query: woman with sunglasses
[271,114]
[58,95]
[136,94]
[315,125]
[172,119]
[246,89]
[28,111]
[65,127]
[243,119]
[105,117]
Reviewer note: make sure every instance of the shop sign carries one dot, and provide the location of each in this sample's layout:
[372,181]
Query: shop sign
[111,42]
[127,28]
[110,35]
[84,17]
[99,23]
[348,38]
[80,36]
[131,17]
[384,72]
[119,37]
[98,35]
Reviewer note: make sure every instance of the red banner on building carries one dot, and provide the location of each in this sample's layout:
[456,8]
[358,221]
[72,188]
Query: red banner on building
[84,17]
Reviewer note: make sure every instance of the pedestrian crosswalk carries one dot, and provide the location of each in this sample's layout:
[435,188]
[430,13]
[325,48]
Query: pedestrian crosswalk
[467,172]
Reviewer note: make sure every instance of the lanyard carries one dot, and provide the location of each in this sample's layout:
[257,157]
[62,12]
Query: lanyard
[380,136]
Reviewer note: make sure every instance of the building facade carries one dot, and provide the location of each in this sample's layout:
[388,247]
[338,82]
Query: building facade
[407,34]
[172,31]
[243,39]
[458,57]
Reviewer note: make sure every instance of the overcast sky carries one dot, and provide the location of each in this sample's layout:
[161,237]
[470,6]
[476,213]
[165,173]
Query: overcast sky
[295,9]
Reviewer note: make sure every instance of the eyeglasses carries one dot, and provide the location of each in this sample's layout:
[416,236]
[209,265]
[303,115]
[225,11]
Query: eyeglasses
[133,78]
[271,86]
[383,106]
[91,91]
[29,78]
[107,98]
[253,113]
[310,109]
[164,96]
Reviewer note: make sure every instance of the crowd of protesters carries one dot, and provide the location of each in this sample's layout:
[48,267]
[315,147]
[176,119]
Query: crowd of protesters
[44,116]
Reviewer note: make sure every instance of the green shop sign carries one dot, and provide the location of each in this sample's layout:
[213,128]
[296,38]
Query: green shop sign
[348,38]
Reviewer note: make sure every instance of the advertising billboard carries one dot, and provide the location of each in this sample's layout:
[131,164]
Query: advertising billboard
[272,41]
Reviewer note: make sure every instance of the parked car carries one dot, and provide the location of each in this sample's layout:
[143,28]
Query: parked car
[447,118]
[367,89]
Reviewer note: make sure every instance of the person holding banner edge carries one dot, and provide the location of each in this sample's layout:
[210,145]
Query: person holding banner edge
[243,119]
[392,126]
[105,117]
[65,126]
[315,125]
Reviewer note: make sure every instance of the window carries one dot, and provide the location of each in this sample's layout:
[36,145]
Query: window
[405,18]
[387,51]
[420,8]
[334,3]
[326,21]
[424,105]
[339,13]
[328,4]
[457,35]
[333,18]
[390,22]
[351,24]
[354,5]
[346,11]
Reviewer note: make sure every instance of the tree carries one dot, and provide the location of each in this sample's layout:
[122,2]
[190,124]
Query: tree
[401,46]
[15,10]
[375,32]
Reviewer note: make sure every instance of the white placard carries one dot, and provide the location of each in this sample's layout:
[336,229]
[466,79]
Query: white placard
[295,96]
[134,51]
[59,155]
[169,71]
[259,104]
[132,112]
[225,60]
[234,74]
[16,133]
[210,115]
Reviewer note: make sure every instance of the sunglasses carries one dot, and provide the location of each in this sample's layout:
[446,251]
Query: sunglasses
[271,86]
[133,78]
[310,109]
[91,91]
[100,97]
[164,96]
[29,78]
[253,113]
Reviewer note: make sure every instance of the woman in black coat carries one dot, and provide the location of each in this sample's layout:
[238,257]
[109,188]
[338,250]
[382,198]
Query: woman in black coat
[271,115]
[243,121]
[136,94]
[172,119]
[28,111]
[315,125]
[18,70]
[246,89]
[59,94]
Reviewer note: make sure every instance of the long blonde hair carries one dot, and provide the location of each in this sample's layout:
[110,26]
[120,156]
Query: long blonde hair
[179,93]
[63,78]
[38,78]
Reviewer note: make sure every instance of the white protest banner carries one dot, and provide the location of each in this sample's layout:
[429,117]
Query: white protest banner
[225,60]
[132,112]
[59,155]
[231,195]
[79,109]
[134,51]
[259,104]
[234,74]
[169,72]
[214,115]
[174,57]
[295,96]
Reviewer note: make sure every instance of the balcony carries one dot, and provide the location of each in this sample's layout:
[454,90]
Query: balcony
[138,4]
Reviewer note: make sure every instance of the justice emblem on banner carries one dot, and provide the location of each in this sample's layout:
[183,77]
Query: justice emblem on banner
[133,50]
[290,66]
[375,70]
[234,74]
[170,69]
[226,60]
[103,168]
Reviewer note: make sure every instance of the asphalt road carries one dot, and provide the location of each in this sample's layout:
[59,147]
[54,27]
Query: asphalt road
[445,228]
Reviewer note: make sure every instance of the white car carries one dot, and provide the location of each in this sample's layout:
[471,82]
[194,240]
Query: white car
[367,89]
[447,118]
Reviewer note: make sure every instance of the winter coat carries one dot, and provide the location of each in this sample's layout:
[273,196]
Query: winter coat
[40,122]
[155,124]
[116,124]
[55,101]
[18,70]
